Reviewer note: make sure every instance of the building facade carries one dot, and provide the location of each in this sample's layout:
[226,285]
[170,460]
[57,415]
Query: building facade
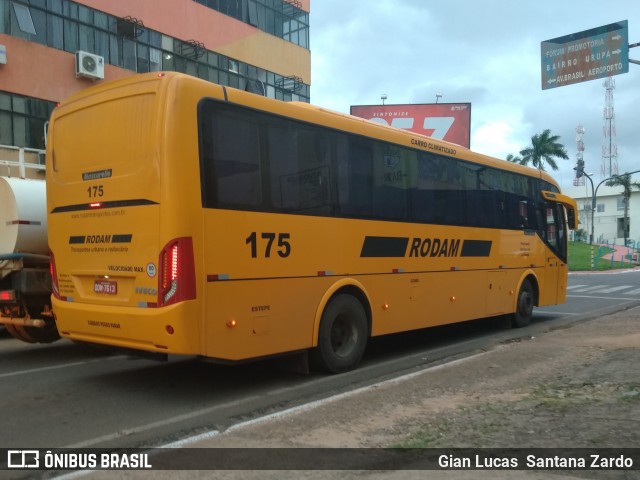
[608,217]
[50,49]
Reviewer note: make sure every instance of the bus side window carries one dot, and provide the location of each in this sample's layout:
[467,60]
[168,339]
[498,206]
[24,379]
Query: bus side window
[551,227]
[394,173]
[234,174]
[541,221]
[299,167]
[359,180]
[422,195]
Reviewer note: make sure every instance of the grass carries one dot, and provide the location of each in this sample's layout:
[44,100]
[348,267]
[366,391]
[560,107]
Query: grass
[580,258]
[546,410]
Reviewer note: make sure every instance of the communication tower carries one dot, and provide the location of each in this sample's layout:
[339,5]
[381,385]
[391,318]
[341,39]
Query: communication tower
[609,148]
[579,180]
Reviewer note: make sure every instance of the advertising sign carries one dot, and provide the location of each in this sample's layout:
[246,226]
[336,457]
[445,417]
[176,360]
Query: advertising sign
[445,121]
[588,55]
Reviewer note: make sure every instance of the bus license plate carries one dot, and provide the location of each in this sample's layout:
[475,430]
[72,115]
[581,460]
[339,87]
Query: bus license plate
[107,287]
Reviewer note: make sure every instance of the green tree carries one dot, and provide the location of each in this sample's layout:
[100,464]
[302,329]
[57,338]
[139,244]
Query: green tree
[627,185]
[513,158]
[544,148]
[580,235]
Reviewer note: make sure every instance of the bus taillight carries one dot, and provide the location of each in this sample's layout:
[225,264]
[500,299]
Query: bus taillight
[177,272]
[54,275]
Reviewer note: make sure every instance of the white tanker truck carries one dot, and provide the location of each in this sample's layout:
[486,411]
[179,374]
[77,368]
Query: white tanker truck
[25,280]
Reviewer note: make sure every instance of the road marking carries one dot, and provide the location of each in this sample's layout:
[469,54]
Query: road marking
[602,289]
[551,312]
[614,289]
[589,289]
[602,298]
[56,367]
[161,423]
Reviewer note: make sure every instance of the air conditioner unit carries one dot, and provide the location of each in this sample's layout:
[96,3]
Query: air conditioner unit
[89,65]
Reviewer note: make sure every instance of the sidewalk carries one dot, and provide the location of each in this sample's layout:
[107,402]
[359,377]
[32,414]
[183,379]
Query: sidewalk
[619,251]
[574,386]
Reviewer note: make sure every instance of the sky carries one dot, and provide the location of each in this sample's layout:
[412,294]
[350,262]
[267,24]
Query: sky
[483,52]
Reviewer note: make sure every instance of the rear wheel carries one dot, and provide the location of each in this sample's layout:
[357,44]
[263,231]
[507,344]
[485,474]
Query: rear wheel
[343,335]
[47,334]
[524,305]
[15,333]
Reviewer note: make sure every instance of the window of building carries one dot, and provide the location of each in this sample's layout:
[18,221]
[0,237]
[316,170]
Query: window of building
[620,203]
[55,29]
[281,18]
[23,16]
[622,231]
[22,120]
[68,26]
[600,208]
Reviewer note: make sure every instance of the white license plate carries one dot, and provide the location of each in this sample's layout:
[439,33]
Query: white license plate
[107,287]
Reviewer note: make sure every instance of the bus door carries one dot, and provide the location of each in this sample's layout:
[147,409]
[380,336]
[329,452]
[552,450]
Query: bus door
[555,236]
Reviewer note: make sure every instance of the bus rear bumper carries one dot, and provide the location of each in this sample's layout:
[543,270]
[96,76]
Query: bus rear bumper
[158,330]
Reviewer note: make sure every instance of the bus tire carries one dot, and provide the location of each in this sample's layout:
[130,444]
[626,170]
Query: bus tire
[343,334]
[524,305]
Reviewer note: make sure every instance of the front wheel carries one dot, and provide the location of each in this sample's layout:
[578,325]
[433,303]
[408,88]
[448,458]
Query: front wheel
[343,335]
[524,305]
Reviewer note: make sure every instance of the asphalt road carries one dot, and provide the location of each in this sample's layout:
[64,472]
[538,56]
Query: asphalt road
[65,395]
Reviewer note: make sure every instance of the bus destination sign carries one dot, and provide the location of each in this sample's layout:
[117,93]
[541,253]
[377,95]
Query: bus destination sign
[588,55]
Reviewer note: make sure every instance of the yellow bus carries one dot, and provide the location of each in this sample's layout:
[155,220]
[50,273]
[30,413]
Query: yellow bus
[190,218]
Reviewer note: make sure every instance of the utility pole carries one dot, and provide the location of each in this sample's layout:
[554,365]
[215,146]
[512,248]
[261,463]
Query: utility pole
[609,151]
[631,45]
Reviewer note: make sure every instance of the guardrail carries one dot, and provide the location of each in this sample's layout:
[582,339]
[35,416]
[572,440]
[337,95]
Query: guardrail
[20,161]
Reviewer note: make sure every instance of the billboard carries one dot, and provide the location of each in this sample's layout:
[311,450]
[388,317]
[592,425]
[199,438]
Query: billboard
[445,121]
[588,55]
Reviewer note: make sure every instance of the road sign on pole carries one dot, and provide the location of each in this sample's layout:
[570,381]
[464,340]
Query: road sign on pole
[588,55]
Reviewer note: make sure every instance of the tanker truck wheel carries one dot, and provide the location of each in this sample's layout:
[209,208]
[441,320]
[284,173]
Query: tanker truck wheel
[46,334]
[15,333]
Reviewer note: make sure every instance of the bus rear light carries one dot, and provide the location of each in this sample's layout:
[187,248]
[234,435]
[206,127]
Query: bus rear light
[54,275]
[177,272]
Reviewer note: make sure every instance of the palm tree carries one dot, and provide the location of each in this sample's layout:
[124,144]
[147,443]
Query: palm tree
[627,185]
[513,158]
[544,148]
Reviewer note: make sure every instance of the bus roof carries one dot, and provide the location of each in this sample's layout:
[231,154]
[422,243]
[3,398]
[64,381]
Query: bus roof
[316,115]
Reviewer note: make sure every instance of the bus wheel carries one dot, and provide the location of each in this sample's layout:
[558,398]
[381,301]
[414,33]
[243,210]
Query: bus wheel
[343,335]
[524,306]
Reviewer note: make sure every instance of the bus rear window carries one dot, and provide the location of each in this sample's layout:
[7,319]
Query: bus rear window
[109,133]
